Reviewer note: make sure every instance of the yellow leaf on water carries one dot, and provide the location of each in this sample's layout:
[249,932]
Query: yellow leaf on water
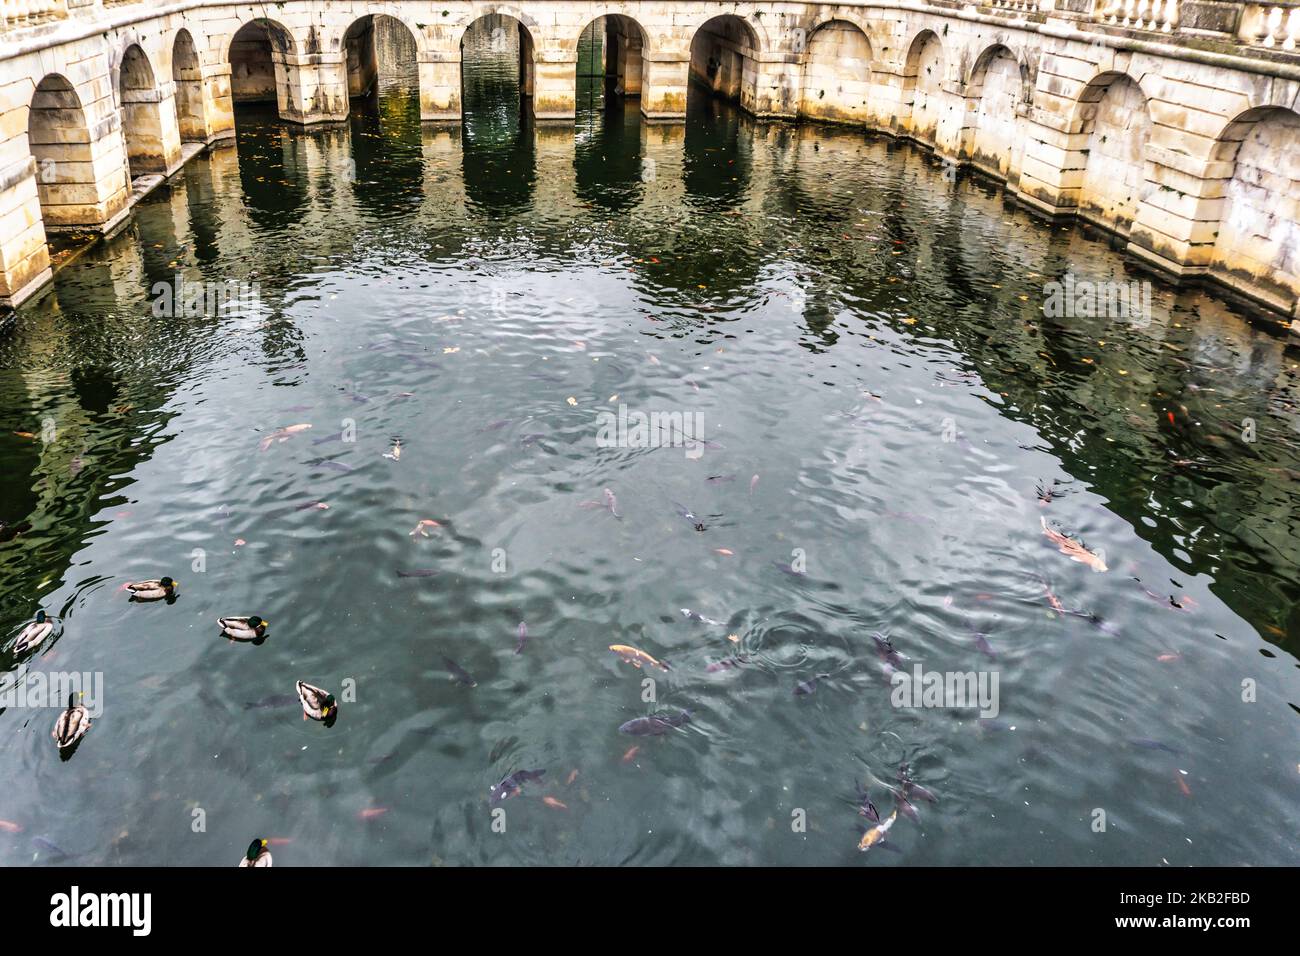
[571,400]
[451,350]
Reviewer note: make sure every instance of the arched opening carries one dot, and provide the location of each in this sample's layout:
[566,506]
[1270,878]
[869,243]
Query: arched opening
[257,65]
[923,87]
[65,170]
[836,73]
[611,61]
[724,60]
[1257,250]
[498,70]
[997,84]
[1113,112]
[187,75]
[382,56]
[141,115]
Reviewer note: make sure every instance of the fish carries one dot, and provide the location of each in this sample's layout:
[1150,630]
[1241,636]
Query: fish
[654,725]
[1182,784]
[55,851]
[573,775]
[282,435]
[1053,600]
[1073,549]
[418,573]
[496,425]
[727,663]
[1148,744]
[788,568]
[331,464]
[369,813]
[612,504]
[697,616]
[984,647]
[1166,658]
[421,525]
[804,688]
[8,826]
[552,802]
[865,807]
[637,657]
[886,651]
[512,785]
[459,674]
[522,634]
[630,753]
[904,806]
[338,436]
[275,700]
[876,834]
[753,483]
[719,479]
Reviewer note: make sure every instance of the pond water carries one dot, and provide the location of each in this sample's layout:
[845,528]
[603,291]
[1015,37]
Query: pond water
[884,406]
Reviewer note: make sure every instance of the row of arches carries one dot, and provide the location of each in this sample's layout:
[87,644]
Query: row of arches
[976,114]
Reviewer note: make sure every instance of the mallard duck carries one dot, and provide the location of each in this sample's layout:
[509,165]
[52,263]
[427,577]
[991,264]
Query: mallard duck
[243,628]
[72,724]
[34,633]
[152,590]
[317,703]
[257,854]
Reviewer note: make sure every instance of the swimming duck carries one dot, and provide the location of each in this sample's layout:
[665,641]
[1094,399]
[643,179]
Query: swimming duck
[34,633]
[152,590]
[317,703]
[72,724]
[243,628]
[257,854]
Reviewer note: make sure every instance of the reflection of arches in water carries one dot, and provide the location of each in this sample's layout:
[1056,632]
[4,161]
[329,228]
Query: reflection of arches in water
[607,158]
[272,171]
[381,55]
[257,71]
[717,153]
[141,114]
[498,68]
[723,61]
[188,78]
[499,171]
[387,165]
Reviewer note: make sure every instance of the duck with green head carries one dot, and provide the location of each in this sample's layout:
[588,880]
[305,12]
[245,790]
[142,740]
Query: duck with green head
[252,628]
[257,854]
[72,724]
[34,633]
[154,590]
[317,703]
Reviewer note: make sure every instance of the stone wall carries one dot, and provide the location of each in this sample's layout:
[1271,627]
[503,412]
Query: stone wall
[1175,125]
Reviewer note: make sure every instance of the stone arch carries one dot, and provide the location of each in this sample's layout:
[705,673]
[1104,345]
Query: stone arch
[627,48]
[1113,113]
[1257,247]
[998,86]
[59,138]
[493,22]
[142,120]
[836,72]
[257,54]
[922,88]
[724,58]
[187,75]
[361,45]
